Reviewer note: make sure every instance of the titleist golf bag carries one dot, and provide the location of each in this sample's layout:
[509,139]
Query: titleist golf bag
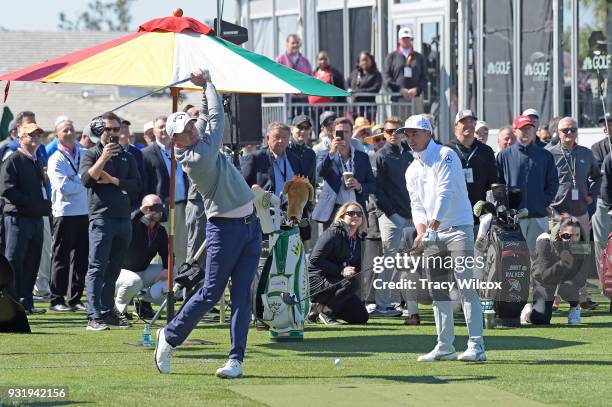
[506,256]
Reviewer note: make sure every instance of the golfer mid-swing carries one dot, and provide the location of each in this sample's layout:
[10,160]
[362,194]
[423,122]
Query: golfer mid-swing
[443,218]
[233,233]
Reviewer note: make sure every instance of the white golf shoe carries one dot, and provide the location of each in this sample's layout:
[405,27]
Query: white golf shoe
[231,370]
[573,318]
[474,353]
[163,352]
[437,355]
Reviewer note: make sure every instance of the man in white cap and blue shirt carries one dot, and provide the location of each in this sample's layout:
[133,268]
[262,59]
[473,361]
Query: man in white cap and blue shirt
[442,215]
[233,234]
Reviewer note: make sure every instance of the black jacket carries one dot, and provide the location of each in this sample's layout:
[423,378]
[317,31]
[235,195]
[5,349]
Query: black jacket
[308,160]
[108,200]
[391,192]
[257,169]
[394,72]
[600,150]
[483,165]
[158,181]
[370,82]
[136,198]
[22,183]
[143,249]
[331,254]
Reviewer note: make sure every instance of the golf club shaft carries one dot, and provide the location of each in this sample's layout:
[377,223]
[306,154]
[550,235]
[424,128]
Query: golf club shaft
[150,93]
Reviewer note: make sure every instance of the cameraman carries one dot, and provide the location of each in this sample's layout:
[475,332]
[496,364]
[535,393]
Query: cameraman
[558,263]
[149,238]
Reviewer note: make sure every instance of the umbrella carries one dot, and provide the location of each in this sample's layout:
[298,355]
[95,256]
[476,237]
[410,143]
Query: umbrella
[161,54]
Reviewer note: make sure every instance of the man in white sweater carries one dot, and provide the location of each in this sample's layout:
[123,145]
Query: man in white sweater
[442,215]
[70,222]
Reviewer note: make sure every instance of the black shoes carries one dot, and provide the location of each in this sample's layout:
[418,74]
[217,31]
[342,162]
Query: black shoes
[114,320]
[35,311]
[143,310]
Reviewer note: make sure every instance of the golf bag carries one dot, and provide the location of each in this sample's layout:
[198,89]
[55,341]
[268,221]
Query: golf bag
[605,268]
[13,318]
[285,270]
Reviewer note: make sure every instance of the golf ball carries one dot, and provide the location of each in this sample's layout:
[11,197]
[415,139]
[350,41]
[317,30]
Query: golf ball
[337,362]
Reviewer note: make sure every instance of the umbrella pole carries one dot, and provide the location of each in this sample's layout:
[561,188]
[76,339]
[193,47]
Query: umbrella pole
[170,294]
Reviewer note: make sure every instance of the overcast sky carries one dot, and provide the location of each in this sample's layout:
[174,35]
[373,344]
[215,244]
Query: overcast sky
[43,15]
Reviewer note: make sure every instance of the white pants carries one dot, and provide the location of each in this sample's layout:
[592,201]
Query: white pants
[457,241]
[130,283]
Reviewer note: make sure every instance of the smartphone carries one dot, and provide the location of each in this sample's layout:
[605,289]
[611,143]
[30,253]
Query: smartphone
[113,139]
[339,135]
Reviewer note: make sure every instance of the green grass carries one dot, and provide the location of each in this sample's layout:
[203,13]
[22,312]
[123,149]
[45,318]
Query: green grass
[556,365]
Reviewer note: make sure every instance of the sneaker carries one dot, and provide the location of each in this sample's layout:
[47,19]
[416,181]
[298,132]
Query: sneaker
[163,352]
[126,316]
[474,353]
[114,321]
[60,308]
[79,307]
[526,314]
[313,315]
[589,305]
[97,325]
[231,370]
[36,311]
[573,318]
[437,355]
[261,326]
[328,318]
[37,297]
[413,319]
[388,312]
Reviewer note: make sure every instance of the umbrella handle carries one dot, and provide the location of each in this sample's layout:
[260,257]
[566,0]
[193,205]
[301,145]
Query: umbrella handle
[150,93]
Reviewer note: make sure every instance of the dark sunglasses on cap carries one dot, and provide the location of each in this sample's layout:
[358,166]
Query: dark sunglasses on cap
[569,130]
[114,129]
[156,208]
[354,214]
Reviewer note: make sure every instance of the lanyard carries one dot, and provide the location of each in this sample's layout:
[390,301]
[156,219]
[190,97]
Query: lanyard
[348,166]
[283,173]
[467,160]
[572,168]
[78,156]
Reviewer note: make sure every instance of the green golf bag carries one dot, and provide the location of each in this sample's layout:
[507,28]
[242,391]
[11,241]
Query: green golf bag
[285,270]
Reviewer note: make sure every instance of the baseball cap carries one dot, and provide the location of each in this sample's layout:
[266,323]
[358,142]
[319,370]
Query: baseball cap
[176,122]
[301,119]
[463,114]
[522,121]
[480,124]
[417,121]
[606,118]
[12,125]
[148,126]
[531,112]
[29,128]
[327,116]
[404,33]
[87,133]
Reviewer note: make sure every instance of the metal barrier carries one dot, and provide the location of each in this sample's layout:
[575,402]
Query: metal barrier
[283,108]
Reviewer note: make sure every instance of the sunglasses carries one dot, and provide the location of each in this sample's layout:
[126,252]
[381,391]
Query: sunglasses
[112,129]
[36,134]
[354,214]
[391,131]
[569,130]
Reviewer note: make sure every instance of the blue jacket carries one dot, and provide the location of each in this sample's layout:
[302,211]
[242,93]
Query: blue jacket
[257,169]
[532,169]
[330,170]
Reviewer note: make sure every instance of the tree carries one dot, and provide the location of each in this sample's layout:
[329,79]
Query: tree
[112,16]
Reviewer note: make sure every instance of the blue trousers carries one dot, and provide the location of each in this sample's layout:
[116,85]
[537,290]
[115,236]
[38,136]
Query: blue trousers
[24,240]
[109,239]
[233,251]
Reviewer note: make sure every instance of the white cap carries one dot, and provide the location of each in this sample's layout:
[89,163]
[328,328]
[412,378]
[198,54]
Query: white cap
[480,124]
[404,33]
[176,122]
[419,122]
[531,112]
[148,126]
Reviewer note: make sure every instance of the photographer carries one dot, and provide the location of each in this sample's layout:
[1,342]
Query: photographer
[111,175]
[558,263]
[149,238]
[335,258]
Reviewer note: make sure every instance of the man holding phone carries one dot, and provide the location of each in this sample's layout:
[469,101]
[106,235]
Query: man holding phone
[347,174]
[111,175]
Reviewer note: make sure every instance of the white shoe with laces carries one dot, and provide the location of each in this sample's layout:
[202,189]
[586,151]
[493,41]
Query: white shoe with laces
[573,318]
[437,355]
[474,353]
[231,370]
[163,352]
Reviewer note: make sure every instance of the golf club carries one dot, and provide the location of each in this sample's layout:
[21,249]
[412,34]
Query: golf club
[151,93]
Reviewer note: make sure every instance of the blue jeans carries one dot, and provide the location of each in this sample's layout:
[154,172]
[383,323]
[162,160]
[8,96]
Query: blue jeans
[233,251]
[24,240]
[109,239]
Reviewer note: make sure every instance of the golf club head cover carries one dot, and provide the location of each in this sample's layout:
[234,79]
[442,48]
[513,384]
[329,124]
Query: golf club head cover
[267,206]
[299,192]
